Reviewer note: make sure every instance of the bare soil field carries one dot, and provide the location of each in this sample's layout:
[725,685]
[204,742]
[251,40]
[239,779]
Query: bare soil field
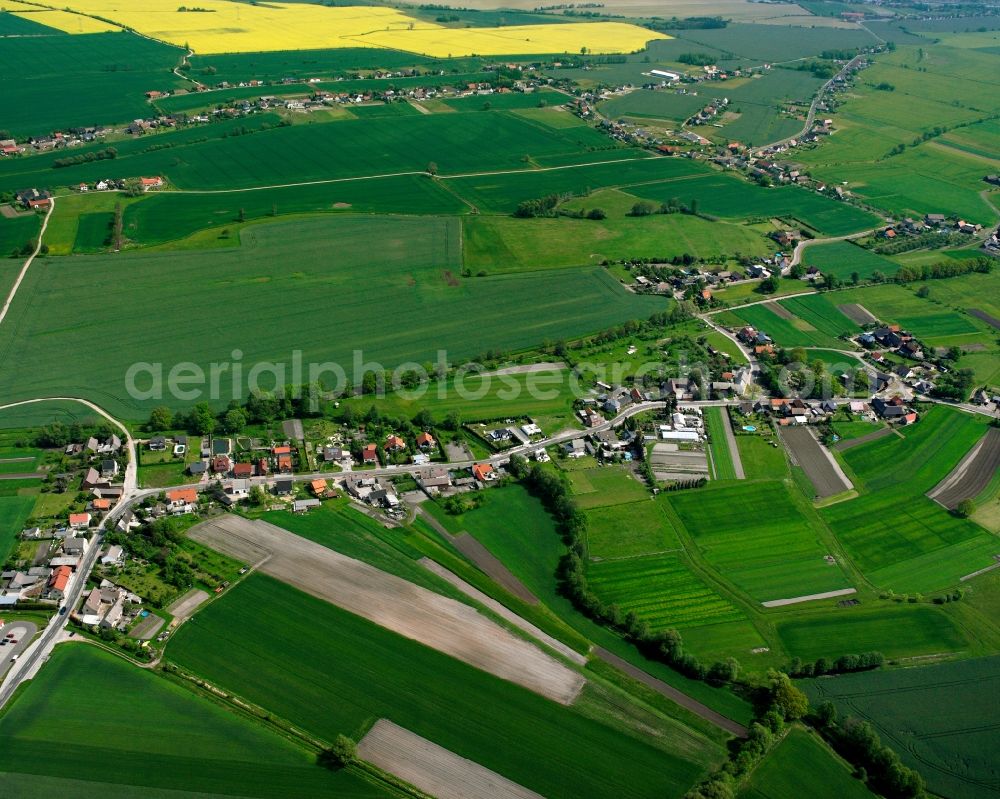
[146,628]
[186,605]
[818,464]
[795,600]
[503,612]
[433,769]
[847,443]
[973,473]
[416,613]
[781,311]
[992,321]
[857,314]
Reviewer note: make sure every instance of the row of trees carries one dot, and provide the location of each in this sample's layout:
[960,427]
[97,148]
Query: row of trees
[107,153]
[845,664]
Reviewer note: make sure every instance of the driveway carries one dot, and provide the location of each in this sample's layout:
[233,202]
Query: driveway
[24,632]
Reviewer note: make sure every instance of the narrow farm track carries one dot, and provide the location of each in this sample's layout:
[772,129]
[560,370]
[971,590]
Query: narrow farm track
[410,173]
[27,263]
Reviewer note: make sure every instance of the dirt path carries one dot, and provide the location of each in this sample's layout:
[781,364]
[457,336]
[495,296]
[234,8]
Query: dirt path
[27,264]
[484,560]
[186,605]
[503,612]
[432,769]
[780,603]
[442,623]
[734,451]
[973,473]
[672,693]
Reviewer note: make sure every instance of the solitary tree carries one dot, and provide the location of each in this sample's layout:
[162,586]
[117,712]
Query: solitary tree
[432,168]
[160,418]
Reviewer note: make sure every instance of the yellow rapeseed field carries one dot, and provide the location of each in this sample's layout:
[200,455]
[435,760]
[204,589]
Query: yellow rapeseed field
[219,26]
[60,20]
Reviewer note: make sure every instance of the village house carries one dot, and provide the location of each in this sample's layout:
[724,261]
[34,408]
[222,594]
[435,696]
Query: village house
[484,472]
[79,521]
[425,441]
[369,454]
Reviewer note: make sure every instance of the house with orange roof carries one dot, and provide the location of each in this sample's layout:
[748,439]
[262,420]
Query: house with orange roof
[151,183]
[243,470]
[318,487]
[285,463]
[282,449]
[182,500]
[394,444]
[78,521]
[101,504]
[425,440]
[58,582]
[484,472]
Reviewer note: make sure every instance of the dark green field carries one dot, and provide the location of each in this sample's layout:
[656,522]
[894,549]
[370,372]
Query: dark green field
[356,672]
[843,259]
[85,79]
[802,765]
[390,287]
[940,719]
[131,728]
[894,630]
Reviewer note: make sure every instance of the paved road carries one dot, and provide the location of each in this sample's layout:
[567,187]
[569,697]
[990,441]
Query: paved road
[811,115]
[31,660]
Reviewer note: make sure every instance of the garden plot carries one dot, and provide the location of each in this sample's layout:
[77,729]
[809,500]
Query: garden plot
[822,470]
[393,603]
[670,462]
[858,314]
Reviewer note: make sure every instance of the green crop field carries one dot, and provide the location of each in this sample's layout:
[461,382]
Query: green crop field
[793,332]
[14,234]
[759,538]
[506,244]
[820,311]
[731,197]
[358,672]
[722,458]
[288,284]
[199,158]
[761,459]
[935,717]
[843,259]
[184,742]
[893,630]
[606,485]
[662,591]
[501,193]
[170,215]
[14,512]
[898,537]
[85,79]
[803,765]
[623,531]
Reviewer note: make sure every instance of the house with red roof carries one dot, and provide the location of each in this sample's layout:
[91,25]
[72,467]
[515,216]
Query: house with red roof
[369,454]
[425,440]
[394,444]
[58,582]
[78,521]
